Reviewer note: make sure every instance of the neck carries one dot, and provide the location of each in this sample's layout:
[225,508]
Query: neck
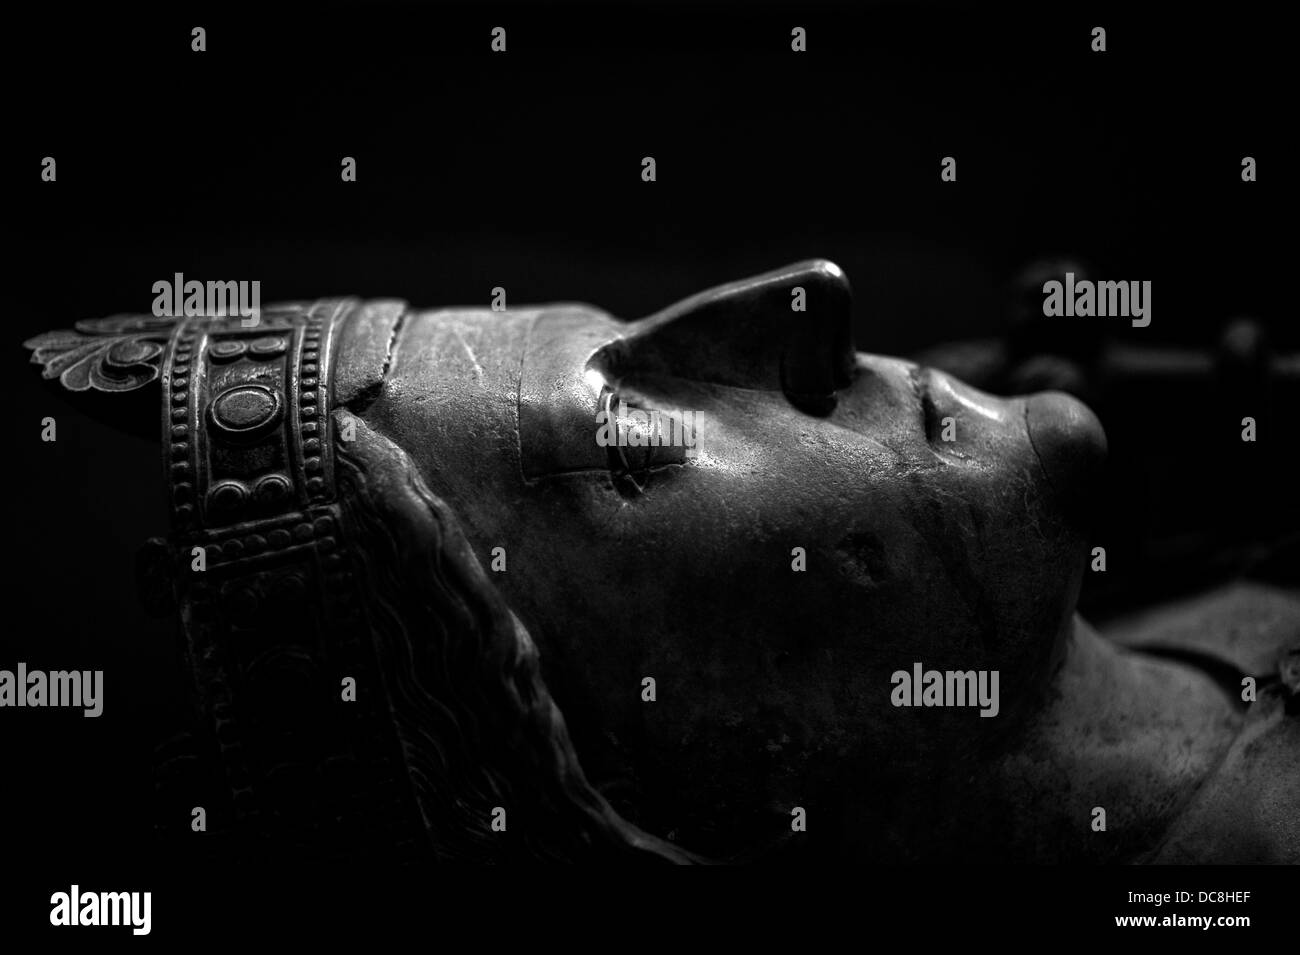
[1116,739]
[1122,740]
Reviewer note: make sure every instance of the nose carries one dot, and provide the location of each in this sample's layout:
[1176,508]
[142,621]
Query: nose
[787,330]
[1071,447]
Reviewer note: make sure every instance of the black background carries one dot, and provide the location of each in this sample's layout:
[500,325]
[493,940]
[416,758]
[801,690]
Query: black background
[523,170]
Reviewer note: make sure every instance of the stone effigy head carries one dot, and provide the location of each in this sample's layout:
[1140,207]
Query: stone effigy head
[838,516]
[405,541]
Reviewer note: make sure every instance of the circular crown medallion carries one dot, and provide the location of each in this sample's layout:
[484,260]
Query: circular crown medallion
[244,412]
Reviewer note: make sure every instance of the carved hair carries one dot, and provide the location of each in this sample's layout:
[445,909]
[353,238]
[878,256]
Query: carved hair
[477,727]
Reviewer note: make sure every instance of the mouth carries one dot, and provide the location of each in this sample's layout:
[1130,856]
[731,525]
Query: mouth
[921,380]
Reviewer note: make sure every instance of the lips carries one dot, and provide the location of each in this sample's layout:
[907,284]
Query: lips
[1067,439]
[976,413]
[920,378]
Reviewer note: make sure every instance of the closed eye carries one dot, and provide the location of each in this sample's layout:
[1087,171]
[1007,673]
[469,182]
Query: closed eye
[638,439]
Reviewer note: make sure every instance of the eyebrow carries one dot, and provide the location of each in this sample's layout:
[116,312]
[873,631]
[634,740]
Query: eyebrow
[558,347]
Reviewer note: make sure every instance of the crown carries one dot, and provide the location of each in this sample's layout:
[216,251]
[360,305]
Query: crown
[257,562]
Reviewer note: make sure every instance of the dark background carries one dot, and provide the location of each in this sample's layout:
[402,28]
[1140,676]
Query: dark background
[523,170]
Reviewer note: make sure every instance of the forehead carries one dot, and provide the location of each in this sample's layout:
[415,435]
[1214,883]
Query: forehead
[459,350]
[516,379]
[479,349]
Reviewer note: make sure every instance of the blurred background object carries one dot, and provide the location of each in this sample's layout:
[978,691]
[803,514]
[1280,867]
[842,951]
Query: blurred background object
[1186,499]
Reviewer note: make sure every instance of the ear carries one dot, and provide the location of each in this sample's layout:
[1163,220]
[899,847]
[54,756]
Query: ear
[749,334]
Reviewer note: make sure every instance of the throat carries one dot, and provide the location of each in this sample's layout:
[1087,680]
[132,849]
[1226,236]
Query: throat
[1123,743]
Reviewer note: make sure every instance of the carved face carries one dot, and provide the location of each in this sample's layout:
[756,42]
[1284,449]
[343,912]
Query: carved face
[842,516]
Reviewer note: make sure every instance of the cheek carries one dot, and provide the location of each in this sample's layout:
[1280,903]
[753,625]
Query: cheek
[818,540]
[939,558]
[1003,572]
